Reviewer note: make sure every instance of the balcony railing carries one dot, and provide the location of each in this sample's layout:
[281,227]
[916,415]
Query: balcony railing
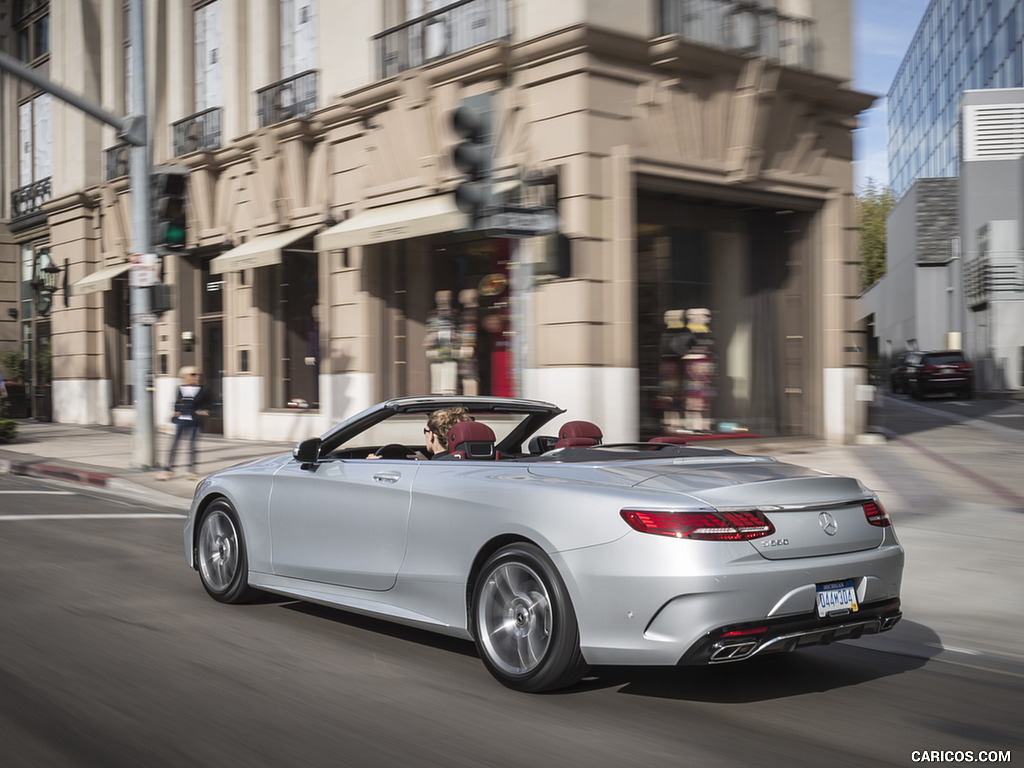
[197,132]
[444,32]
[118,160]
[30,198]
[745,26]
[292,97]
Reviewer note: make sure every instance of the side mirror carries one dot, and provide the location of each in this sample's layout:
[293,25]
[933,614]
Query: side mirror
[308,451]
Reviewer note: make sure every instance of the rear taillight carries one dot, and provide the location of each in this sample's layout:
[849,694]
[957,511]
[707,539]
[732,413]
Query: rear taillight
[929,369]
[876,514]
[702,526]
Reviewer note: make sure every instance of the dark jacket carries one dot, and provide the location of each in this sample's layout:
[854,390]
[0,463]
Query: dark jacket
[187,406]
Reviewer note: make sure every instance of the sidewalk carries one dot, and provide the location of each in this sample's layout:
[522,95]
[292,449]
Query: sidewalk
[101,457]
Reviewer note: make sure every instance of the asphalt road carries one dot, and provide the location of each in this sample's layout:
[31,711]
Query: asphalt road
[111,654]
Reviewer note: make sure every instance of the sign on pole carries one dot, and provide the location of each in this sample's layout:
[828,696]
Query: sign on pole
[523,222]
[144,270]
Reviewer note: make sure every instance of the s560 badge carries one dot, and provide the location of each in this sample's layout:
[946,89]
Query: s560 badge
[775,543]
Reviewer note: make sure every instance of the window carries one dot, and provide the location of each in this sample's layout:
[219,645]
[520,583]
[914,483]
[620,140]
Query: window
[35,156]
[295,337]
[32,22]
[298,37]
[208,80]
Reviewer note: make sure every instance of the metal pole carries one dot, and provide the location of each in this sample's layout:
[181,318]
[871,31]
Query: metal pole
[143,452]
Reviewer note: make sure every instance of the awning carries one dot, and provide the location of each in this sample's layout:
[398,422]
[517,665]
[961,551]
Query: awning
[400,221]
[100,280]
[261,251]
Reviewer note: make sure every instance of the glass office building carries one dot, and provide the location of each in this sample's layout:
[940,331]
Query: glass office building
[960,45]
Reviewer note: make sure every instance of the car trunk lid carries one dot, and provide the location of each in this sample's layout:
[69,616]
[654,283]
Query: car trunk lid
[812,515]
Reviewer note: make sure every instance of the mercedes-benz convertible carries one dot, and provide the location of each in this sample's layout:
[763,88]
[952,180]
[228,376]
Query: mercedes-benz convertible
[551,548]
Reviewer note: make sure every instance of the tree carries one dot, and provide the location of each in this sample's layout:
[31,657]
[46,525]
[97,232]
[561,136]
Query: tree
[873,206]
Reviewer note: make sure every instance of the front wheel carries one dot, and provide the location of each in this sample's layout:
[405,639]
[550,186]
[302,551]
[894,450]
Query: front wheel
[220,553]
[524,623]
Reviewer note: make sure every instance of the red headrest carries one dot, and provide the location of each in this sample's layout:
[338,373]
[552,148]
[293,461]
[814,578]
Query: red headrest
[580,429]
[471,440]
[578,433]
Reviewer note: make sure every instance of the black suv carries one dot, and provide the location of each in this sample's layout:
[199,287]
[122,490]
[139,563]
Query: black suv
[898,373]
[929,373]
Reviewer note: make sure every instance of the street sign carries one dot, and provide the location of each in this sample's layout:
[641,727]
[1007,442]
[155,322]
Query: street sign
[144,270]
[523,222]
[145,318]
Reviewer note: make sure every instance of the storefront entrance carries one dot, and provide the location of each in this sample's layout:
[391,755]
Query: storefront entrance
[445,316]
[722,319]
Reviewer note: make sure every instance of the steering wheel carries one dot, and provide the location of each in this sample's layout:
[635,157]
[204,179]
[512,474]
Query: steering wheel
[392,451]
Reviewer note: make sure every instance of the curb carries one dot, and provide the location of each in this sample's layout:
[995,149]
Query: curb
[55,472]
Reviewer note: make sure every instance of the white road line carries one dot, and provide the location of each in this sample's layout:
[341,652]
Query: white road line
[100,516]
[38,493]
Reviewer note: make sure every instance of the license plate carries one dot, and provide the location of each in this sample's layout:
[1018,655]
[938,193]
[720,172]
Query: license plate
[836,598]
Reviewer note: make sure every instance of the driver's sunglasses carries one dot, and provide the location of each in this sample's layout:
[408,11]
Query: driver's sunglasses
[427,430]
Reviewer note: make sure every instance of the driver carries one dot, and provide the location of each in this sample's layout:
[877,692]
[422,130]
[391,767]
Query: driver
[439,426]
[435,433]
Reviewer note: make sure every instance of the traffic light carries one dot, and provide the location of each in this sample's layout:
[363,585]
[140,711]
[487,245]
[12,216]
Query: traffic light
[472,122]
[170,192]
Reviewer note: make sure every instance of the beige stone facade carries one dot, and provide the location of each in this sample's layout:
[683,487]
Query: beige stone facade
[688,176]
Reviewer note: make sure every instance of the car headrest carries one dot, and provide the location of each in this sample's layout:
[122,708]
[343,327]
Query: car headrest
[471,440]
[578,431]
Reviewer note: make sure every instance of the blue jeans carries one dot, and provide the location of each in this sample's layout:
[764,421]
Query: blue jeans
[189,430]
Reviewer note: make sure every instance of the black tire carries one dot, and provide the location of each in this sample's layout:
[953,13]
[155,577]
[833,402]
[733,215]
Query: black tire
[524,623]
[220,555]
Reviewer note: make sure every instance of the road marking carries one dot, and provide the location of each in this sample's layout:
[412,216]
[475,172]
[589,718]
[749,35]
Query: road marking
[101,516]
[1008,415]
[39,493]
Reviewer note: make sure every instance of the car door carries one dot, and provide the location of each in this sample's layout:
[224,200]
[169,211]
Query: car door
[344,522]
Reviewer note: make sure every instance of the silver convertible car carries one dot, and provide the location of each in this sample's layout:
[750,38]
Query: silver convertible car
[549,548]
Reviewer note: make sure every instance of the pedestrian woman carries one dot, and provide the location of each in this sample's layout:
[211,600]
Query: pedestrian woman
[192,402]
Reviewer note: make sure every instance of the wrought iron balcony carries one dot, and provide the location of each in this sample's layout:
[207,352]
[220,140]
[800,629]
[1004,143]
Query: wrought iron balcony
[30,198]
[119,160]
[292,97]
[197,132]
[444,32]
[743,25]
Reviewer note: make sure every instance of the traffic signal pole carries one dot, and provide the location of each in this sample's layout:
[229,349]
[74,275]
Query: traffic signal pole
[144,443]
[133,130]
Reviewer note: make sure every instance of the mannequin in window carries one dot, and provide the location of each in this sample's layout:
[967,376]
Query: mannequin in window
[469,369]
[675,339]
[700,371]
[441,345]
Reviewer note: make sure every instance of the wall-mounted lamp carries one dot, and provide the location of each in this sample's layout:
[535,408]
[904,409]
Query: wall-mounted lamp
[12,313]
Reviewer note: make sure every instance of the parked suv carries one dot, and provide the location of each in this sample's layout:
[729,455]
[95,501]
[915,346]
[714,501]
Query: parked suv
[929,373]
[898,373]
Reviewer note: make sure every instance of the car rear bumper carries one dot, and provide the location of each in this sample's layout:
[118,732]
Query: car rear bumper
[737,642]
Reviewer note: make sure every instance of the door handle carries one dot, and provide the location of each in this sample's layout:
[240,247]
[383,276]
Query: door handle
[387,477]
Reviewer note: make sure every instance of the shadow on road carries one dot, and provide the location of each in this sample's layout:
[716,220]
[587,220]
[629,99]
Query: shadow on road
[779,676]
[811,670]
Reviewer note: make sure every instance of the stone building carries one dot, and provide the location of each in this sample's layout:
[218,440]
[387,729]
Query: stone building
[698,155]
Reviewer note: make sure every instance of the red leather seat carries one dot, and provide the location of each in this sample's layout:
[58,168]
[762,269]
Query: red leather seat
[578,433]
[668,439]
[472,440]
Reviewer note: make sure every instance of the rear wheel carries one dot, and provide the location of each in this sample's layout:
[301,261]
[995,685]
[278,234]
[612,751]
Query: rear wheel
[524,623]
[220,553]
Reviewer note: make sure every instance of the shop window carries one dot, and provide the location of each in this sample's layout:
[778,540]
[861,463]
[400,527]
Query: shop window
[714,329]
[117,342]
[295,337]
